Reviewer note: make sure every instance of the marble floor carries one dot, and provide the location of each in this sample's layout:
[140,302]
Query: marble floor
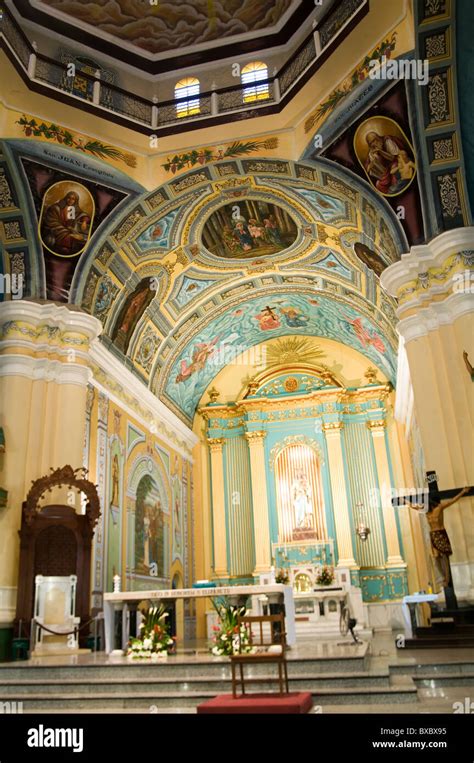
[380,650]
[435,698]
[198,651]
[440,679]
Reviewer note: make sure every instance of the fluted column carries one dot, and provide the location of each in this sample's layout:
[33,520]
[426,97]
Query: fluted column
[332,431]
[433,284]
[216,445]
[377,429]
[44,372]
[260,501]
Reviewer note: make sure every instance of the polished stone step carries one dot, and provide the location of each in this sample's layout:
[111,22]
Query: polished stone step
[440,641]
[178,683]
[436,679]
[154,702]
[419,669]
[218,668]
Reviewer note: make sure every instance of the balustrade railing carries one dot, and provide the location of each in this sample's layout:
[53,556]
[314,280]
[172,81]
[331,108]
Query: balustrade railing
[154,114]
[298,64]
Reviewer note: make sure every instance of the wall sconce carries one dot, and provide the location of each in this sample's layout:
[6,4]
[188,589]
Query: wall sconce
[362,530]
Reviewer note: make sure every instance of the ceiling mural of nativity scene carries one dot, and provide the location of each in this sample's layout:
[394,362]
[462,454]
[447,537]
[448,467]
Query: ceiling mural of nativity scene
[237,249]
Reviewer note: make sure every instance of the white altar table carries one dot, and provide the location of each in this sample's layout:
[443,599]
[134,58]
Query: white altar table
[119,607]
[409,604]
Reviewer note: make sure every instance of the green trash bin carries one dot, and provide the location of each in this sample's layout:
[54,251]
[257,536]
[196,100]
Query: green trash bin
[20,647]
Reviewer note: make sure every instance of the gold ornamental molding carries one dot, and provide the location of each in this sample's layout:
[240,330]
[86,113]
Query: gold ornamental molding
[377,425]
[221,411]
[224,186]
[215,444]
[442,280]
[310,399]
[274,371]
[255,437]
[333,426]
[297,439]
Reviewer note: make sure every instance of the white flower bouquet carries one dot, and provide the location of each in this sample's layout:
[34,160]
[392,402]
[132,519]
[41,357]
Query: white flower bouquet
[154,636]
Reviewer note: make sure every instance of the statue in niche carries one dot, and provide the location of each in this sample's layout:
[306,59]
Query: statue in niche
[146,538]
[114,501]
[301,495]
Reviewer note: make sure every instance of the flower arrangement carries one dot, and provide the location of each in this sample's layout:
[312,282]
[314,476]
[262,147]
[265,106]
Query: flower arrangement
[154,636]
[228,639]
[282,577]
[325,575]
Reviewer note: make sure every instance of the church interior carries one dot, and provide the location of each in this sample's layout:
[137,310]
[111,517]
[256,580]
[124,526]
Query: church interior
[236,353]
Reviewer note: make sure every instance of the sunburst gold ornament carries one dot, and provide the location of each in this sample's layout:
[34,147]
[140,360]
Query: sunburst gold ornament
[293,349]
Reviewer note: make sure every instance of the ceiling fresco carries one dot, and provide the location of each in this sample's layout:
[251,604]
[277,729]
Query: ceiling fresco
[297,248]
[55,204]
[248,228]
[323,280]
[274,315]
[378,146]
[171,25]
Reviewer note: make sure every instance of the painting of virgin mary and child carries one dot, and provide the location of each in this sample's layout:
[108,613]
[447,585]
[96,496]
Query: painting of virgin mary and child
[247,229]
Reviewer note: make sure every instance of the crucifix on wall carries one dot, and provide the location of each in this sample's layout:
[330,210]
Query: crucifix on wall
[434,505]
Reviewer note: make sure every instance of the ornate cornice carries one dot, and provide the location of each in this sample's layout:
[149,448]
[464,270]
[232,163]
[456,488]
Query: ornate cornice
[220,412]
[35,321]
[45,369]
[311,399]
[431,272]
[432,317]
[118,383]
[46,341]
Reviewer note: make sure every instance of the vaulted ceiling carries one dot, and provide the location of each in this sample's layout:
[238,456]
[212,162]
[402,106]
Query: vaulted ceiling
[224,281]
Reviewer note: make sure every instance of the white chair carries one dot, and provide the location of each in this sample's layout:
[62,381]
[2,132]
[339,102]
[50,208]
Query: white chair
[55,606]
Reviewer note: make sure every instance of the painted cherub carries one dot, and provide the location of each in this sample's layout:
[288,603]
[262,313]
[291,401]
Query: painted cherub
[405,166]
